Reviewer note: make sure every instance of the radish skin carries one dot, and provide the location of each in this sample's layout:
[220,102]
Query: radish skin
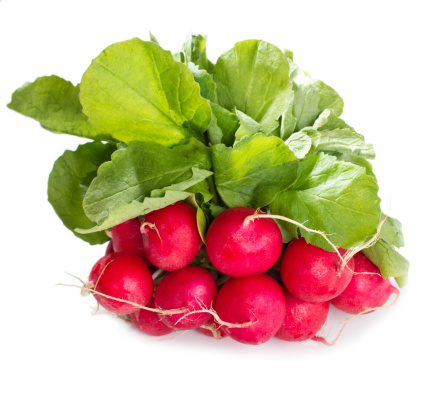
[121,275]
[258,299]
[313,274]
[126,237]
[149,322]
[302,319]
[365,291]
[192,287]
[171,237]
[240,249]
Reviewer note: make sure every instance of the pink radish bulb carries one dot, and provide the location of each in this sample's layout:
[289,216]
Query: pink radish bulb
[365,291]
[193,288]
[121,275]
[126,237]
[149,322]
[258,299]
[209,333]
[313,274]
[302,319]
[171,237]
[241,249]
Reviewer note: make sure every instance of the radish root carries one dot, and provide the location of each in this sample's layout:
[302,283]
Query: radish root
[352,251]
[345,321]
[150,225]
[249,219]
[214,330]
[216,317]
[87,289]
[349,253]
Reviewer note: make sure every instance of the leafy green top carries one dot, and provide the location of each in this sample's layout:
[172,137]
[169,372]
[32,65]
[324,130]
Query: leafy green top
[252,129]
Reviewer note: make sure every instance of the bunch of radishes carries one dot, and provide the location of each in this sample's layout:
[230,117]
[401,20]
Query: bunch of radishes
[237,291]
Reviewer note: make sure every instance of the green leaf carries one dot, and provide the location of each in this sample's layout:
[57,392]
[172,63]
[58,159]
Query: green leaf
[358,161]
[68,181]
[337,198]
[391,231]
[332,134]
[389,261]
[153,38]
[253,171]
[216,209]
[327,120]
[253,78]
[247,126]
[223,126]
[341,141]
[201,219]
[199,154]
[136,91]
[311,97]
[54,103]
[286,236]
[300,144]
[288,121]
[194,50]
[143,177]
[205,81]
[402,281]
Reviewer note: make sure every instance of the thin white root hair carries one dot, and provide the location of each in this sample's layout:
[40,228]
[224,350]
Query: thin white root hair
[88,290]
[249,219]
[345,321]
[150,225]
[214,330]
[346,257]
[216,317]
[352,251]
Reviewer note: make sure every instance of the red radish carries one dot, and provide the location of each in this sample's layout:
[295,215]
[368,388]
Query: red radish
[257,299]
[171,237]
[241,249]
[302,319]
[216,327]
[121,275]
[313,274]
[109,248]
[126,237]
[192,287]
[149,322]
[365,291]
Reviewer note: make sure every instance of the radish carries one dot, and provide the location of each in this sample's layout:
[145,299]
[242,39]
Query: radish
[126,237]
[302,319]
[149,322]
[365,291]
[259,299]
[171,237]
[241,249]
[121,275]
[313,274]
[193,288]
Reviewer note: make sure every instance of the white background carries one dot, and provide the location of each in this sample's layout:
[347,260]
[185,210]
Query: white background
[372,52]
